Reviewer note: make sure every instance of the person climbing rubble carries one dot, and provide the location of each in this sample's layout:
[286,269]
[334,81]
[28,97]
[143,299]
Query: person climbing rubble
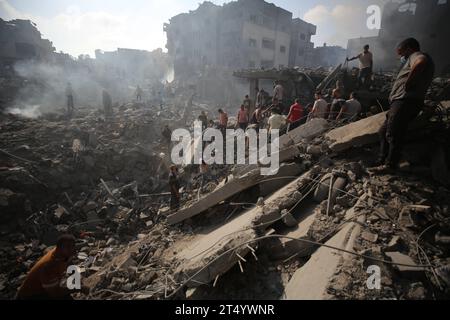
[107,104]
[336,104]
[407,99]
[320,108]
[174,186]
[247,103]
[167,136]
[365,66]
[223,121]
[43,280]
[278,93]
[276,120]
[203,119]
[261,98]
[350,110]
[138,93]
[295,115]
[70,103]
[242,118]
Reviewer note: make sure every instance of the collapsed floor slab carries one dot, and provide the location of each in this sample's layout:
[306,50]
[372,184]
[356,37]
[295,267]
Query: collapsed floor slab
[356,134]
[310,282]
[206,256]
[308,131]
[229,189]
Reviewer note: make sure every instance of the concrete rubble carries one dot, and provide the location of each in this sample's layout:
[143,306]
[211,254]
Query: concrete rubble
[309,232]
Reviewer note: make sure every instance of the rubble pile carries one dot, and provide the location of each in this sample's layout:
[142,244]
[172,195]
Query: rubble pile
[104,180]
[312,231]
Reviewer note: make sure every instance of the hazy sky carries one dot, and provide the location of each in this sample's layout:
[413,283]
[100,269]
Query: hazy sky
[81,26]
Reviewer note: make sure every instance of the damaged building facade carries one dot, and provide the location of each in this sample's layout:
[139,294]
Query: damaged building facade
[426,20]
[237,35]
[327,56]
[137,65]
[20,39]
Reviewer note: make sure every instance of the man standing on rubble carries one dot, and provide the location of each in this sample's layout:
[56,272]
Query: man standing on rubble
[242,118]
[320,108]
[167,136]
[69,95]
[365,66]
[107,104]
[203,119]
[138,93]
[350,109]
[336,104]
[278,91]
[261,98]
[407,98]
[174,188]
[223,121]
[295,115]
[43,280]
[247,103]
[276,120]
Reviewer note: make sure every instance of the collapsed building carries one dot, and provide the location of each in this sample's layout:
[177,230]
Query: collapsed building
[310,231]
[237,35]
[34,76]
[240,34]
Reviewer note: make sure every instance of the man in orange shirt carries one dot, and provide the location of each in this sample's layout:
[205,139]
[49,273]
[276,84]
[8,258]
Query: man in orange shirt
[242,118]
[223,121]
[43,280]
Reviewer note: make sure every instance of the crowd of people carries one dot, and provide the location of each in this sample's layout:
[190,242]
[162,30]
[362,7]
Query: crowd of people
[407,98]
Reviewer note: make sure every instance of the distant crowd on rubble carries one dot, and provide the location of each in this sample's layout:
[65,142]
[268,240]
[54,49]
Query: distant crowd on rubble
[406,98]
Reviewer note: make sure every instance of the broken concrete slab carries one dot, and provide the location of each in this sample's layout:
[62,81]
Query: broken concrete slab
[407,267]
[288,170]
[282,248]
[229,189]
[209,248]
[356,134]
[308,131]
[286,198]
[310,282]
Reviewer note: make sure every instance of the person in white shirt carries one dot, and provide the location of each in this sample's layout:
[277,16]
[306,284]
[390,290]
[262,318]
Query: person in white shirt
[276,120]
[320,108]
[351,109]
[278,91]
[365,66]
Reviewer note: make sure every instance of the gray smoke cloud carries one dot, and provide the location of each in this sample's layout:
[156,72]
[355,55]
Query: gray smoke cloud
[45,85]
[339,21]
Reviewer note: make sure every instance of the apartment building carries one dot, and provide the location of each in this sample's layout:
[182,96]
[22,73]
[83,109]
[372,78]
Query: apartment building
[240,34]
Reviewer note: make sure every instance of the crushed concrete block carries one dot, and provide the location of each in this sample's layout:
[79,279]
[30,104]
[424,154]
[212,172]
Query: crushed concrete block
[288,219]
[308,131]
[211,247]
[311,281]
[408,271]
[394,245]
[357,133]
[286,170]
[229,189]
[368,236]
[282,248]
